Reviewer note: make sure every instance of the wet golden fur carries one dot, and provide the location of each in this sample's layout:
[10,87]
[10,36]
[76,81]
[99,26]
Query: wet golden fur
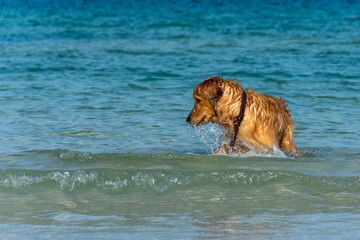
[267,122]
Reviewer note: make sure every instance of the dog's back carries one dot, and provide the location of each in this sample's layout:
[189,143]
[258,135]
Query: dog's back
[272,117]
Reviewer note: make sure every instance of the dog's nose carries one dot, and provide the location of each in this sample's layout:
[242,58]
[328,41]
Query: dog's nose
[188,119]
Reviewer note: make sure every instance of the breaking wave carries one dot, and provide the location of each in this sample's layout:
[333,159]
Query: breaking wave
[157,180]
[72,171]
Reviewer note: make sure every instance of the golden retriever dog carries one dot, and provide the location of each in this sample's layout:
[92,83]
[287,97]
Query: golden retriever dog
[251,120]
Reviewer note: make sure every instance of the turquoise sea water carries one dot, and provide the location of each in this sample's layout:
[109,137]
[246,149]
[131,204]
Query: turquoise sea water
[94,96]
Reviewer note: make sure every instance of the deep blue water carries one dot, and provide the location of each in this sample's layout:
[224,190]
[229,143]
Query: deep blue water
[94,96]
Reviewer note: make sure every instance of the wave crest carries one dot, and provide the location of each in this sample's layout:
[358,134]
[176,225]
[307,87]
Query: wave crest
[165,180]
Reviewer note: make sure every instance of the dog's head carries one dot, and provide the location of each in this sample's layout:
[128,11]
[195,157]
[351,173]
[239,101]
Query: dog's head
[206,94]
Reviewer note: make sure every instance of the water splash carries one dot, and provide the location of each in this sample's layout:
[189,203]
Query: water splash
[213,136]
[274,152]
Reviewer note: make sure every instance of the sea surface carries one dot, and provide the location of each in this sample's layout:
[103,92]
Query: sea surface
[93,100]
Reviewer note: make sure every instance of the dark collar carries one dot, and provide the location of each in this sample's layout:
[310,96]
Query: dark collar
[239,119]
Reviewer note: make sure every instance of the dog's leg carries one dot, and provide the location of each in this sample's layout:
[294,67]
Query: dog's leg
[269,139]
[289,143]
[223,149]
[239,147]
[288,140]
[254,142]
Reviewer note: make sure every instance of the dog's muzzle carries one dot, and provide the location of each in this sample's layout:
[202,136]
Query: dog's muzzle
[188,119]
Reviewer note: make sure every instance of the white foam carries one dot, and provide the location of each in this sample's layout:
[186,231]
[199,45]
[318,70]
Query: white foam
[274,153]
[212,135]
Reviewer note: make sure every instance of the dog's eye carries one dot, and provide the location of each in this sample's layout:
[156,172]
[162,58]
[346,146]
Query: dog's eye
[197,100]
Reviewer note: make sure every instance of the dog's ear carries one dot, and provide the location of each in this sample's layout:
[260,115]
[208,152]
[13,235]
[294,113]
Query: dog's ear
[216,93]
[211,89]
